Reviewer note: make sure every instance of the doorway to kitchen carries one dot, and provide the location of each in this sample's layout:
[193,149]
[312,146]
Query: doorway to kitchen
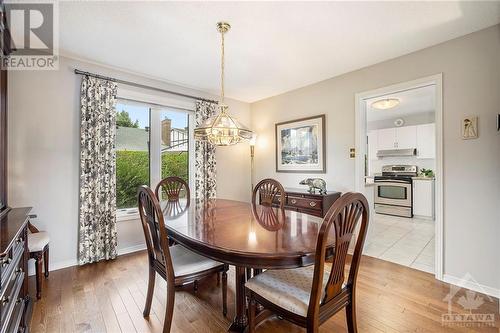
[399,169]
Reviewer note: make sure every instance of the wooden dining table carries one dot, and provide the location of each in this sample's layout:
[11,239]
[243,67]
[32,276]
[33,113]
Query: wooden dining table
[228,231]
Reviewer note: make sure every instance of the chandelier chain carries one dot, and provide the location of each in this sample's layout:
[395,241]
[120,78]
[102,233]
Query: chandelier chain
[222,69]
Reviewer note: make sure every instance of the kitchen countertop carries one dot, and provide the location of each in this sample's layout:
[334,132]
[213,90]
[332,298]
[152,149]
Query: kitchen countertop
[422,178]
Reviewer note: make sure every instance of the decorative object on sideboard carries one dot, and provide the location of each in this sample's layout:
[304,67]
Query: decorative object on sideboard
[314,184]
[469,128]
[301,145]
[399,122]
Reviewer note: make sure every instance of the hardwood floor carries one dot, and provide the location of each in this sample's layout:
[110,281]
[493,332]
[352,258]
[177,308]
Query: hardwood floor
[109,297]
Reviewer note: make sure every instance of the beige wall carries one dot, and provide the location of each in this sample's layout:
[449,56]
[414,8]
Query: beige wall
[44,134]
[471,86]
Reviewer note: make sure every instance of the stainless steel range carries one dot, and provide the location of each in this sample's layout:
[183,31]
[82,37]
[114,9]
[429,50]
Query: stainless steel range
[393,190]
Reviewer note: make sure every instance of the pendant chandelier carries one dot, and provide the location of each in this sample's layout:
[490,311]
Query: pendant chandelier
[222,129]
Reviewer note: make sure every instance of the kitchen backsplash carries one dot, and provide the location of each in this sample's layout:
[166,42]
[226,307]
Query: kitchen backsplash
[376,165]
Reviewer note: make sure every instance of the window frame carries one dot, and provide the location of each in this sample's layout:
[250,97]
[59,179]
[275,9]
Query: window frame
[157,104]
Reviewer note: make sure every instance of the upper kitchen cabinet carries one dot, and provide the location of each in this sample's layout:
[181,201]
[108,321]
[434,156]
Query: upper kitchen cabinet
[406,137]
[426,141]
[372,144]
[386,138]
[397,138]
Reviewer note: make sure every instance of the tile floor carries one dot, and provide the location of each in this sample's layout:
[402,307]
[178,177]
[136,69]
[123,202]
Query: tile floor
[404,241]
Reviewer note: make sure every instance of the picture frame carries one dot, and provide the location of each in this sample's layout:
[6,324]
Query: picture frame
[301,145]
[469,128]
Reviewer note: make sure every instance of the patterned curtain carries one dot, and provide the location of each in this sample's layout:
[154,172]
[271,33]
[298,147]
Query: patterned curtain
[205,164]
[97,220]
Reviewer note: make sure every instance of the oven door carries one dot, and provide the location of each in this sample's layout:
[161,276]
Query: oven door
[393,192]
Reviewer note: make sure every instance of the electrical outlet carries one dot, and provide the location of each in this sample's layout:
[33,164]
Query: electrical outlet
[352,152]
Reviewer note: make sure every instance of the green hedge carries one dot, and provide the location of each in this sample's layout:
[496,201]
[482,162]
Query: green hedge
[132,171]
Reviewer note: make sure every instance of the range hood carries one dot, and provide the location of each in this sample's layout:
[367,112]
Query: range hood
[397,152]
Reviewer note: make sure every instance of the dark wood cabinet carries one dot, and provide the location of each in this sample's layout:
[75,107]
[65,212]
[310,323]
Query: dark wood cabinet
[15,302]
[309,203]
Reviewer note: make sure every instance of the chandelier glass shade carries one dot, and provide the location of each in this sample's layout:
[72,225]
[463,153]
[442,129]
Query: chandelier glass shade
[222,129]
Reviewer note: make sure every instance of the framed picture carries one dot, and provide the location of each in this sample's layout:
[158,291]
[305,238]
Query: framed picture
[300,145]
[469,128]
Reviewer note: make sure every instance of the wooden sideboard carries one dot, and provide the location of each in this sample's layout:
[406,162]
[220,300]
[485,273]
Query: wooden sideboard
[15,302]
[301,200]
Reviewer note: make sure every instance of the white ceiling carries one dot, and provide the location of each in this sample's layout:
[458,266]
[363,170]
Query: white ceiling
[419,100]
[272,47]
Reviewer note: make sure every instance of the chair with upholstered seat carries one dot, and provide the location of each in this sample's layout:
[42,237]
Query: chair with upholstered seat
[308,296]
[173,188]
[270,192]
[176,264]
[38,247]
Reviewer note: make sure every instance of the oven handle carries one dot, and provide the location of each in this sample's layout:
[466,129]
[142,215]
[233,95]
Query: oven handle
[393,181]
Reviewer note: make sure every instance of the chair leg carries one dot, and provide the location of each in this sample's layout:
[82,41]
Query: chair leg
[149,296]
[46,262]
[350,311]
[218,279]
[38,271]
[251,314]
[195,286]
[224,293]
[169,311]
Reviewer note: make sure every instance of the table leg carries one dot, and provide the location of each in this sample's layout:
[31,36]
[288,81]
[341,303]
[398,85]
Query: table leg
[240,321]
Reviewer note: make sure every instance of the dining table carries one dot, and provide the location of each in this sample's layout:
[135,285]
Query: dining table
[231,232]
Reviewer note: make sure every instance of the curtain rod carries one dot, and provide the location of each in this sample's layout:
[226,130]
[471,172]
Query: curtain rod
[143,86]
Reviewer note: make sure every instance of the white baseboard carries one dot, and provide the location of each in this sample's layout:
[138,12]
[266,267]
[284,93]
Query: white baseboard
[472,285]
[54,266]
[131,249]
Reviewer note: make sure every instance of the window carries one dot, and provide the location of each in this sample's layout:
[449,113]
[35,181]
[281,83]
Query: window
[132,152]
[152,143]
[175,144]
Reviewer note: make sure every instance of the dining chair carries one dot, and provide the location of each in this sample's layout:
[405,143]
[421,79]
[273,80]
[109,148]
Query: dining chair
[38,247]
[270,194]
[176,264]
[308,296]
[265,195]
[172,188]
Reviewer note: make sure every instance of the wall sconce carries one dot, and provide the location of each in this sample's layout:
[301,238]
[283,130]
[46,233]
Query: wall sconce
[252,142]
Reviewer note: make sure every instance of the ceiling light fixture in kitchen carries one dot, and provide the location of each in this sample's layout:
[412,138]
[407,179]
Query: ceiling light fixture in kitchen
[384,104]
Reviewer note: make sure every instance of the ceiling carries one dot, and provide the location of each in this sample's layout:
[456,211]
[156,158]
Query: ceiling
[272,47]
[418,100]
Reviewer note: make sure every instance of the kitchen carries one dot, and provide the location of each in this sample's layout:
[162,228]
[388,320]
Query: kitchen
[400,164]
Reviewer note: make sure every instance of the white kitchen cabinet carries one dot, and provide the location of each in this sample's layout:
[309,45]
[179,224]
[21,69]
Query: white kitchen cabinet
[372,145]
[426,141]
[386,138]
[406,137]
[397,138]
[423,198]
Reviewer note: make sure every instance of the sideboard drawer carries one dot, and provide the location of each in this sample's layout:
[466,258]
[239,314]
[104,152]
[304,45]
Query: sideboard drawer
[10,262]
[316,204]
[10,298]
[313,204]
